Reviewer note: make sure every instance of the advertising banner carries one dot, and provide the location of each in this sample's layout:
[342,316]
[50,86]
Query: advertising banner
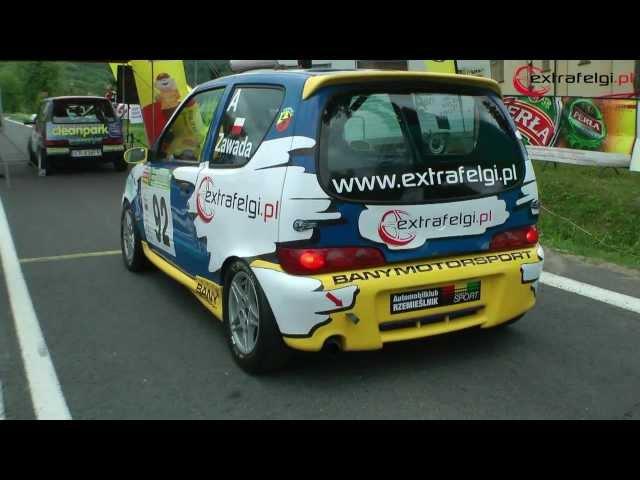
[83,133]
[583,131]
[478,68]
[161,85]
[132,112]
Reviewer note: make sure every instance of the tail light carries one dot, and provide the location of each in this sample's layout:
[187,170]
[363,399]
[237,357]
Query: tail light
[520,237]
[305,261]
[56,143]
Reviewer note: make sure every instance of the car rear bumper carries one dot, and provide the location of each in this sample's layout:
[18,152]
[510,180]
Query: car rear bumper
[108,153]
[355,308]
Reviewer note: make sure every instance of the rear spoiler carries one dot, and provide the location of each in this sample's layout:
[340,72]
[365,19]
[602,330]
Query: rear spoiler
[314,83]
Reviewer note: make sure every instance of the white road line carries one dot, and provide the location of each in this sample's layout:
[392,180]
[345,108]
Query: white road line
[2,417]
[71,256]
[46,394]
[602,295]
[17,123]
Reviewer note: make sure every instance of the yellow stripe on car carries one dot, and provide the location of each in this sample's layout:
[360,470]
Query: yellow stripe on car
[206,291]
[314,83]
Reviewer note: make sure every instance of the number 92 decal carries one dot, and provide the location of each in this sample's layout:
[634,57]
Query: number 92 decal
[156,204]
[161,217]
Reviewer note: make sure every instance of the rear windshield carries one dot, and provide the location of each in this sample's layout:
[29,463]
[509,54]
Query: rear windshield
[82,111]
[411,146]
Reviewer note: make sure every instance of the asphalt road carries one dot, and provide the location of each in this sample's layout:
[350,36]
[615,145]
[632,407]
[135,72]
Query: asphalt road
[129,346]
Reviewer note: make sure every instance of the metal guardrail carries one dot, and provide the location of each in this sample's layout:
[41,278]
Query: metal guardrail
[7,162]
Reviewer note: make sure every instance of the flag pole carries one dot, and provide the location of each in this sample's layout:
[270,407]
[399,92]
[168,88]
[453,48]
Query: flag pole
[153,110]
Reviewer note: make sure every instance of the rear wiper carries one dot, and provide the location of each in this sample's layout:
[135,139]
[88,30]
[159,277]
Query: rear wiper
[405,127]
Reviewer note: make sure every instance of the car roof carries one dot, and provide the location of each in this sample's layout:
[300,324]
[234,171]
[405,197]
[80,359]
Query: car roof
[75,97]
[314,79]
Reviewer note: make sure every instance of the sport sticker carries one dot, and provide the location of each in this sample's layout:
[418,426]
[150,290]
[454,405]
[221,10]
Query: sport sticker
[434,297]
[284,119]
[410,226]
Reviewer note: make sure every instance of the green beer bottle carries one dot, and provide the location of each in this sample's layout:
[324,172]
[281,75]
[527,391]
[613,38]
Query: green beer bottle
[537,118]
[583,125]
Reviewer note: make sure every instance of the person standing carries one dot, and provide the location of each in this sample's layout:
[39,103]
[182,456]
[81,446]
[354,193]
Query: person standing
[110,94]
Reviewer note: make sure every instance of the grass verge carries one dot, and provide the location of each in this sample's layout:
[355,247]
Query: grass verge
[137,132]
[601,201]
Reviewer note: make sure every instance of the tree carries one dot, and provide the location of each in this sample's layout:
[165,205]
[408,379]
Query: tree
[200,71]
[12,92]
[41,79]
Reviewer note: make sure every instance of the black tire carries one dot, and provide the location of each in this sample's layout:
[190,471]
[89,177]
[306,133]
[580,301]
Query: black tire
[270,352]
[46,164]
[32,157]
[119,164]
[136,262]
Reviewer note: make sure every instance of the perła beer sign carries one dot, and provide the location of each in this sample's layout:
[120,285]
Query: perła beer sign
[584,125]
[537,118]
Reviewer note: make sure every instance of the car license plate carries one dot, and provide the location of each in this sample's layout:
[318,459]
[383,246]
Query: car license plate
[86,153]
[403,302]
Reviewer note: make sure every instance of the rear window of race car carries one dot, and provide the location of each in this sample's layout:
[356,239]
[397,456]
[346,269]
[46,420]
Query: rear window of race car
[414,146]
[83,111]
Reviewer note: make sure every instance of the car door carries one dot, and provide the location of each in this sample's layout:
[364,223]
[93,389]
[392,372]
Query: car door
[169,180]
[237,201]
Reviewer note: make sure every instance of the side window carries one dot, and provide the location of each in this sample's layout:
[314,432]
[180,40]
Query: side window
[183,139]
[248,116]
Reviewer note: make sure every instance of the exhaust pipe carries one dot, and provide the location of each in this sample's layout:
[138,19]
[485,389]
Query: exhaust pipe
[332,345]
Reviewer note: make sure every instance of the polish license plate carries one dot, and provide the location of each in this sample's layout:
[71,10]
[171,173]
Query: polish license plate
[86,153]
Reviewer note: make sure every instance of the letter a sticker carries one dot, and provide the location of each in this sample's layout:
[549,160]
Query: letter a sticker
[234,100]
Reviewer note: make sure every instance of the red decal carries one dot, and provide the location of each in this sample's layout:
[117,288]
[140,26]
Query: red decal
[391,231]
[334,299]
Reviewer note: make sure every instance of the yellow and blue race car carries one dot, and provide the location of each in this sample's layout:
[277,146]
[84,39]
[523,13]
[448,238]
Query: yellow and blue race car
[351,208]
